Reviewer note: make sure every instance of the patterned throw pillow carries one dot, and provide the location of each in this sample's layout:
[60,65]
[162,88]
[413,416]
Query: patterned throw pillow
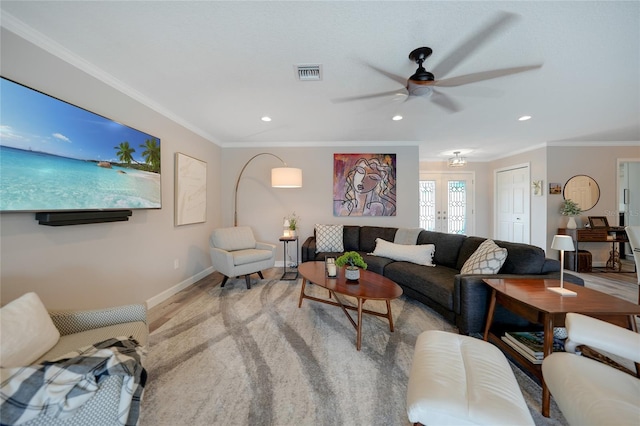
[487,259]
[329,238]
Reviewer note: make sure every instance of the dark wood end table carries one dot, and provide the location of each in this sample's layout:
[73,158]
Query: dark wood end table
[530,299]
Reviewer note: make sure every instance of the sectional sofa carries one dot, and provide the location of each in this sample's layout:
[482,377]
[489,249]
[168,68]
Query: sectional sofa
[462,299]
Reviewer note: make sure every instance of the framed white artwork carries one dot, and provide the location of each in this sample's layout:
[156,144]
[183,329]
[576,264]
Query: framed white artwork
[190,190]
[537,187]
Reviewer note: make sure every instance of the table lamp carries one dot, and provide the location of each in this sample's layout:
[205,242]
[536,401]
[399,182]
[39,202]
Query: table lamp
[562,243]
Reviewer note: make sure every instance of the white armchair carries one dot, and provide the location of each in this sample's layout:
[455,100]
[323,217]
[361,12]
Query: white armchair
[590,392]
[633,233]
[235,252]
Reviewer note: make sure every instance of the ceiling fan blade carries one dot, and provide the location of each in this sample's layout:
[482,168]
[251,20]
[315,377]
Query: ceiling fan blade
[398,93]
[473,42]
[394,77]
[445,102]
[484,75]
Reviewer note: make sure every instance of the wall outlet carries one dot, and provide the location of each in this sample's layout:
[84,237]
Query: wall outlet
[176,263]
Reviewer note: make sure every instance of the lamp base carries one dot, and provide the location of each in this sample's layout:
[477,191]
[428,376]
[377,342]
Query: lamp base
[563,291]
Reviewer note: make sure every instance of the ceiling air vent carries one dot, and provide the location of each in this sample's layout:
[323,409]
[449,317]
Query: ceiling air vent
[309,72]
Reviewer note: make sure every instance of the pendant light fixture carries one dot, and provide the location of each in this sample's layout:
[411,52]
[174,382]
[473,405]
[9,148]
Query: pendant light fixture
[457,161]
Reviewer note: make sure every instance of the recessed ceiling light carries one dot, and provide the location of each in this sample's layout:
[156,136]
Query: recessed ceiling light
[265,118]
[524,118]
[396,118]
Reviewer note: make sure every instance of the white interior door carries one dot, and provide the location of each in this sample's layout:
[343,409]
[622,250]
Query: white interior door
[512,221]
[446,202]
[629,191]
[629,195]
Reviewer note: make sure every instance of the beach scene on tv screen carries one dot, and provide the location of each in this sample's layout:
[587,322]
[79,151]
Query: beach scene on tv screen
[57,156]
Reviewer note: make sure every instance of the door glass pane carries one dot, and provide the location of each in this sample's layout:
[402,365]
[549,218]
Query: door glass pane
[428,205]
[457,207]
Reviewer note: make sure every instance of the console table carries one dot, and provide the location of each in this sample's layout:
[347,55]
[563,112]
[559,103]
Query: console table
[612,234]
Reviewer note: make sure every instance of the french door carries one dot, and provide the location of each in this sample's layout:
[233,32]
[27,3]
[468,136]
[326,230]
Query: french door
[446,202]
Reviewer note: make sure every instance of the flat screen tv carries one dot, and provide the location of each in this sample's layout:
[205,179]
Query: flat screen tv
[55,156]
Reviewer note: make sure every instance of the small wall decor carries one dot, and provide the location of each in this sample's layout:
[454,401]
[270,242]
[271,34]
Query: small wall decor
[537,187]
[190,190]
[555,188]
[364,184]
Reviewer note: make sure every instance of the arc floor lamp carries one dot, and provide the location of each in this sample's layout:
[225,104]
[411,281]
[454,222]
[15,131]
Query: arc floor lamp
[281,177]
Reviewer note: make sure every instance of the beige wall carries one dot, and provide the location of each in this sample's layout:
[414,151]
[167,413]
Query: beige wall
[600,163]
[551,164]
[105,264]
[264,208]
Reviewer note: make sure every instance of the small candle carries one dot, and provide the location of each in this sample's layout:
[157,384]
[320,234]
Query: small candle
[331,269]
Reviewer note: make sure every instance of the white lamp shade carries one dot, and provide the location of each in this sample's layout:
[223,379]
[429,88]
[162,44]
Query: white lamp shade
[286,177]
[286,223]
[562,242]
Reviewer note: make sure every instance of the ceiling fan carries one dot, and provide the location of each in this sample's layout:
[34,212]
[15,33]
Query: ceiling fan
[424,83]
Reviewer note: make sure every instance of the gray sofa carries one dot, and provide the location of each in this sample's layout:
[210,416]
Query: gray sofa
[461,299]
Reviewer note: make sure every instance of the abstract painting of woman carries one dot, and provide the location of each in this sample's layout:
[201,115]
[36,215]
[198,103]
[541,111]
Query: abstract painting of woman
[364,185]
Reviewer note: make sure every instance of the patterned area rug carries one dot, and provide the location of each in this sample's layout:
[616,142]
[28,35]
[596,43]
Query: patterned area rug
[239,357]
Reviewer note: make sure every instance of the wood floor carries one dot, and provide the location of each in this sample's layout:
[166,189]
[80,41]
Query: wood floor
[623,285]
[620,284]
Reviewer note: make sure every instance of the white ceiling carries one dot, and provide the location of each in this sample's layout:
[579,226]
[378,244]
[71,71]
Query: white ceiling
[217,67]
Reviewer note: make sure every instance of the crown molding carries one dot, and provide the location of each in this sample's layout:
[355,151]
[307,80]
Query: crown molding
[16,26]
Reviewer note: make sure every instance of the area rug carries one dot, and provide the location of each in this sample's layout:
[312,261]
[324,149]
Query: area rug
[252,357]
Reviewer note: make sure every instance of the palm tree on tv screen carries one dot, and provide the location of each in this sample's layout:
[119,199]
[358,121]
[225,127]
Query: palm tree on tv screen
[151,154]
[124,152]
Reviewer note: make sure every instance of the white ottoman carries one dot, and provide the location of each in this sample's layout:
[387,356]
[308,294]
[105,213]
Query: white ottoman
[460,380]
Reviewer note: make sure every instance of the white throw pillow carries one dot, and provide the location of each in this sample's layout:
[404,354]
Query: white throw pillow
[329,238]
[26,330]
[422,254]
[487,259]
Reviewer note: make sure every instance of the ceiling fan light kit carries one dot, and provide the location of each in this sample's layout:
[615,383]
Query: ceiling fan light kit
[457,161]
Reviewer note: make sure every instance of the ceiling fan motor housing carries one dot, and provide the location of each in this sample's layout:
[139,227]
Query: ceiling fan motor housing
[418,56]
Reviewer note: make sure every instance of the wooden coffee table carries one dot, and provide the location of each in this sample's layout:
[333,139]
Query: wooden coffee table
[370,286]
[530,299]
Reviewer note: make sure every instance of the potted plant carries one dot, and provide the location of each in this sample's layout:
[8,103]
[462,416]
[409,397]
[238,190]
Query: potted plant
[570,208]
[292,222]
[354,261]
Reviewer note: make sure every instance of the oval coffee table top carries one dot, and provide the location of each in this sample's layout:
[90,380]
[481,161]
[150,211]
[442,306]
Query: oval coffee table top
[370,285]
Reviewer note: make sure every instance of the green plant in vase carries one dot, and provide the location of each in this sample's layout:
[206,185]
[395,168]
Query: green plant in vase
[292,220]
[354,261]
[570,208]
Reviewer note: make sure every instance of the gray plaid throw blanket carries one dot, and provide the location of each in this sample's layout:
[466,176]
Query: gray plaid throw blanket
[58,388]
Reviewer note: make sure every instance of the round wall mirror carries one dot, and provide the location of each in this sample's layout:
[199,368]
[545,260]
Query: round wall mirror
[583,190]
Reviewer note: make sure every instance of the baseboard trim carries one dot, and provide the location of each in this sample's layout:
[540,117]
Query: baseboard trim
[156,300]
